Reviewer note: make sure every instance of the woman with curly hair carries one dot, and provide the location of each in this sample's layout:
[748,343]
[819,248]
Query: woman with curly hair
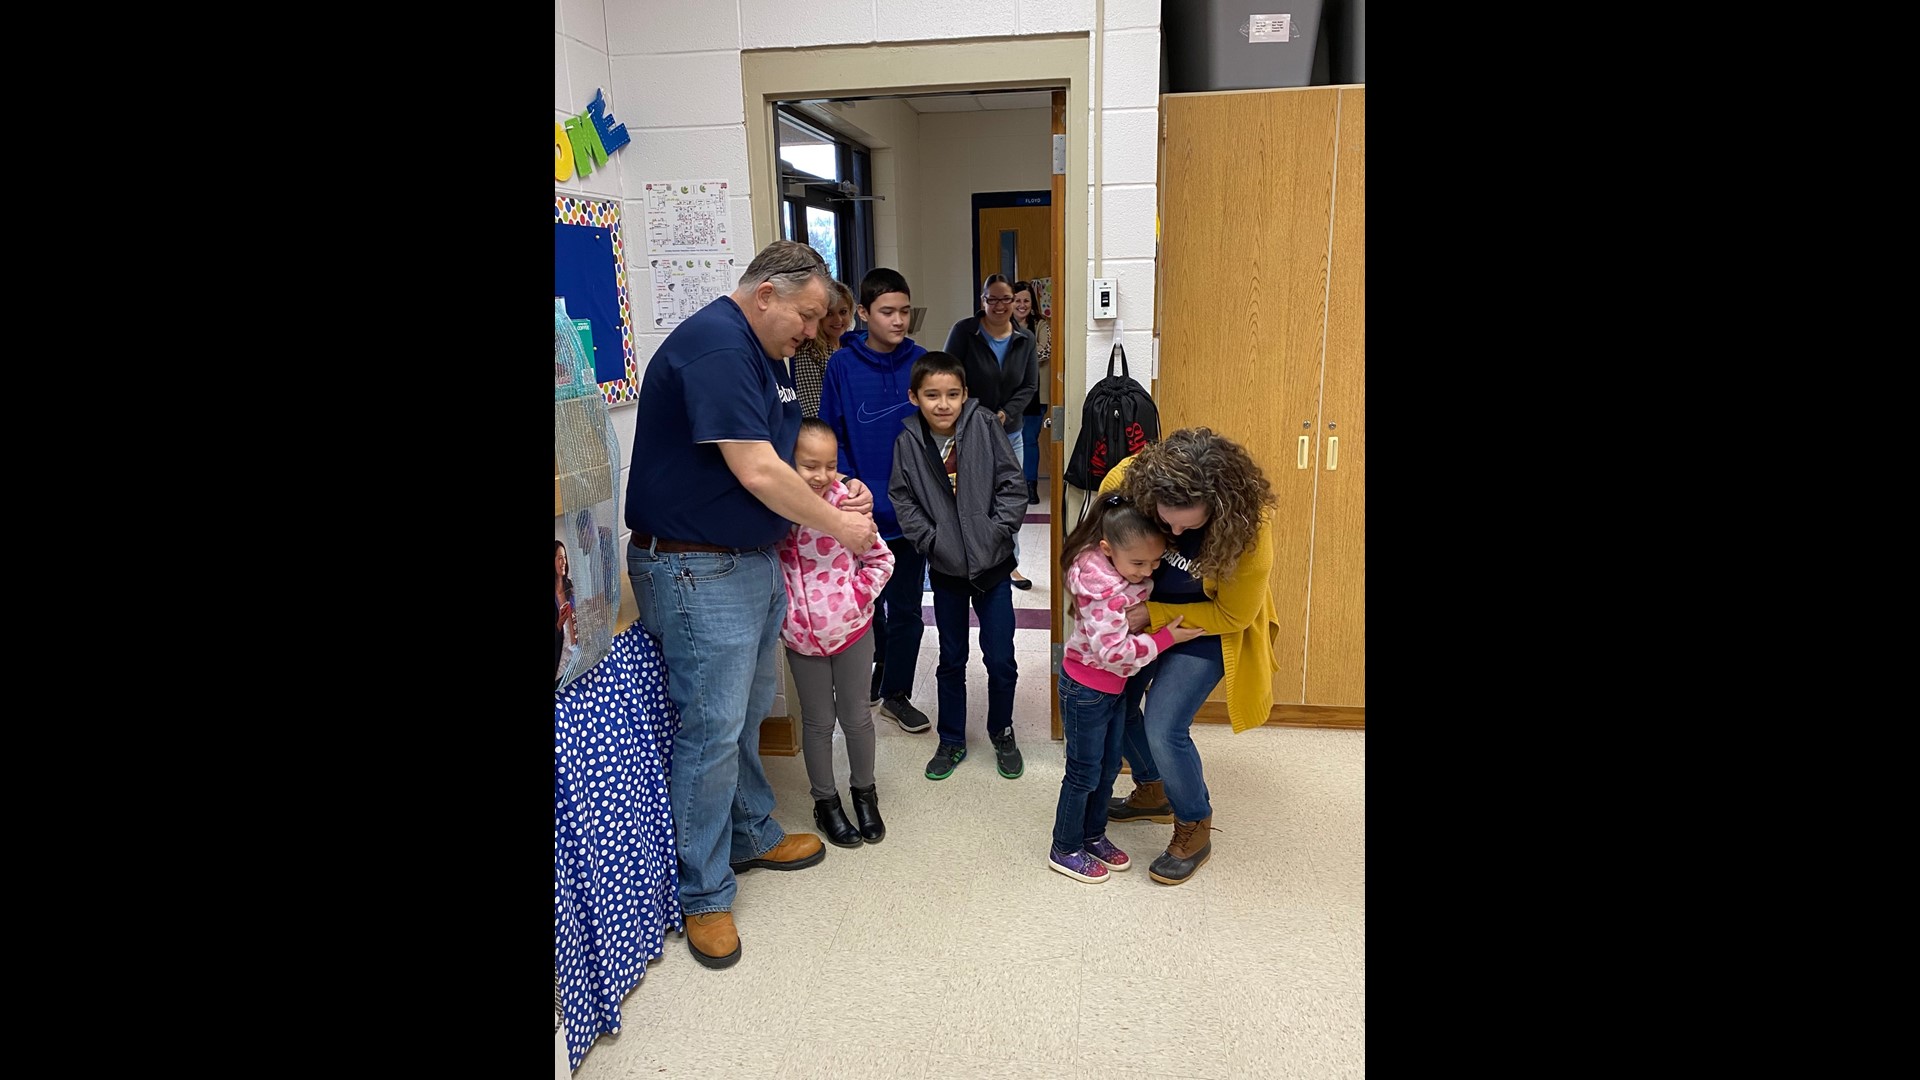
[1217,508]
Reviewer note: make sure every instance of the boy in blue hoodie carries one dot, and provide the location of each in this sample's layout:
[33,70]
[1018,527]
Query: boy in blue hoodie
[863,397]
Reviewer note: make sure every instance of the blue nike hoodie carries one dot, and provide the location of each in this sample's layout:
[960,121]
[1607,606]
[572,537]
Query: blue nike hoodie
[863,398]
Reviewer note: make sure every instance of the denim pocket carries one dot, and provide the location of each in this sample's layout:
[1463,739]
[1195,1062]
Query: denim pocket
[1073,694]
[707,567]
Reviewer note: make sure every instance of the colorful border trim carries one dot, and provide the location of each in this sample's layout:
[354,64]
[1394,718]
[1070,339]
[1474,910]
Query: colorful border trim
[573,210]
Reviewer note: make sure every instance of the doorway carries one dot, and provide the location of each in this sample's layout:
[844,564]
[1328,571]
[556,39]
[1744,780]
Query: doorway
[1013,235]
[817,83]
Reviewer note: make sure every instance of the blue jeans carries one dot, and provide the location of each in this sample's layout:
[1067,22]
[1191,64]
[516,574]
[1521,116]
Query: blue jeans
[1160,741]
[897,621]
[717,618]
[1095,725]
[995,609]
[1030,436]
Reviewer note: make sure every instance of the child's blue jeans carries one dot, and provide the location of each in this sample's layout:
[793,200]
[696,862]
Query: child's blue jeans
[1095,725]
[995,609]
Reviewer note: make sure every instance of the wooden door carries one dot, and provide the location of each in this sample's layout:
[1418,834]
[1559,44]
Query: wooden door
[1242,289]
[1025,232]
[1337,619]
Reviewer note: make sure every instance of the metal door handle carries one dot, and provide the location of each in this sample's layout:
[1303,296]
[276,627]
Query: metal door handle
[1333,452]
[1301,461]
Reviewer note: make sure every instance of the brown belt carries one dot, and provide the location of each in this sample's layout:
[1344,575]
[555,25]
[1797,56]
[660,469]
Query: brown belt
[643,541]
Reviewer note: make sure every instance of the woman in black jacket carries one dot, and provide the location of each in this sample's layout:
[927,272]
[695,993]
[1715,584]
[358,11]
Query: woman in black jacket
[1002,368]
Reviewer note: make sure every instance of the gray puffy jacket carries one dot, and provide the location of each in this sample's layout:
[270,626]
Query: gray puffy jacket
[966,533]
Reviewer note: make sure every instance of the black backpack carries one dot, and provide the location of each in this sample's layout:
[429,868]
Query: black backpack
[1118,421]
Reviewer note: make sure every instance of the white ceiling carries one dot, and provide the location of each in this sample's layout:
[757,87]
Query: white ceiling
[1039,99]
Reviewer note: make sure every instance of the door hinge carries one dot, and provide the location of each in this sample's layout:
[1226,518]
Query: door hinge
[1059,653]
[1059,424]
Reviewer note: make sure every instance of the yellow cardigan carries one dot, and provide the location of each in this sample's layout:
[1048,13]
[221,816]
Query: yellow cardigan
[1241,613]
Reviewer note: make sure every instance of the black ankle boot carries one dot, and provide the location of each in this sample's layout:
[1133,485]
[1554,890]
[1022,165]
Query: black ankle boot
[866,807]
[832,819]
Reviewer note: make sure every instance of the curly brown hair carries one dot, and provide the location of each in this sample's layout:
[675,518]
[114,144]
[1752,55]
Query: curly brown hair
[1194,465]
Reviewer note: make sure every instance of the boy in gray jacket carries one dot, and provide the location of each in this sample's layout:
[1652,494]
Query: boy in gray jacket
[961,497]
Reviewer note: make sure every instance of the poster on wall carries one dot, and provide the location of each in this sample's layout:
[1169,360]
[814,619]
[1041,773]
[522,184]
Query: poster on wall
[682,286]
[590,272]
[688,217]
[1043,296]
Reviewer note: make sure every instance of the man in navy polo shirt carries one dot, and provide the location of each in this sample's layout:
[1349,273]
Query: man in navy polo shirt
[710,489]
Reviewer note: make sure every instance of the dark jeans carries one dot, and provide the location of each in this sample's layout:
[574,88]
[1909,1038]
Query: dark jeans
[995,609]
[1160,740]
[1095,725]
[897,621]
[1031,432]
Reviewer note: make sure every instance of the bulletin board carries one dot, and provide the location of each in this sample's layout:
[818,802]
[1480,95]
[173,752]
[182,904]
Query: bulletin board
[590,271]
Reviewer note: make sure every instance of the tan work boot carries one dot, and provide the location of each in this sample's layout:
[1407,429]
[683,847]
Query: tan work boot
[712,939]
[797,852]
[1148,802]
[1191,848]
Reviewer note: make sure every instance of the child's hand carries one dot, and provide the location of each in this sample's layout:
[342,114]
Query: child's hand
[1182,634]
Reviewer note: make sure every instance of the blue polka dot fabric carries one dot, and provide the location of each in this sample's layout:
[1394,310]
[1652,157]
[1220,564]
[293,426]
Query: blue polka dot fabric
[616,882]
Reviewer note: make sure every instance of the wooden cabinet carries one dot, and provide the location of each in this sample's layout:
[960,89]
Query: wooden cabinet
[1262,320]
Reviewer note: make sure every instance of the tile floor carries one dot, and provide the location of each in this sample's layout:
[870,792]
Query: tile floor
[950,950]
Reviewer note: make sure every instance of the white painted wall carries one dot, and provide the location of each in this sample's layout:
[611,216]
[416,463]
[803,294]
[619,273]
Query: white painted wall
[962,153]
[671,71]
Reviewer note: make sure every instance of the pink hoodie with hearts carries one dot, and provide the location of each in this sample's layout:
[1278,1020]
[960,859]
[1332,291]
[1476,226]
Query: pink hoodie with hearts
[1100,653]
[830,593]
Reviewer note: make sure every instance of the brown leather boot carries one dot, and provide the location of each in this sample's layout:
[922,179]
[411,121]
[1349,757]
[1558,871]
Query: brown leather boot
[712,939]
[797,852]
[1147,802]
[1191,848]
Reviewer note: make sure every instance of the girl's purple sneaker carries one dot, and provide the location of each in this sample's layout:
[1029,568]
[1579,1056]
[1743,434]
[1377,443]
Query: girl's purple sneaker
[1079,866]
[1103,850]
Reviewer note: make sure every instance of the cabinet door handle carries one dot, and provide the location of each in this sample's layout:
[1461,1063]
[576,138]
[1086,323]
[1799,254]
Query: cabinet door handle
[1301,461]
[1333,452]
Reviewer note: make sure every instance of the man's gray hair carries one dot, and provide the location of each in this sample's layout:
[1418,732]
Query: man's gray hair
[789,264]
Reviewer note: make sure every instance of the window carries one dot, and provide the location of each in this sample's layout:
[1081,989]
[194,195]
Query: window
[821,175]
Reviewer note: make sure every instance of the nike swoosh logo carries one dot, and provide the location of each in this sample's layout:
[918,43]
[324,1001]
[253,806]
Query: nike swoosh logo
[868,418]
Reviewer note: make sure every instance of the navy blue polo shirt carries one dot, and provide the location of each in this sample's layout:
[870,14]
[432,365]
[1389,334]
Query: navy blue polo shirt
[711,381]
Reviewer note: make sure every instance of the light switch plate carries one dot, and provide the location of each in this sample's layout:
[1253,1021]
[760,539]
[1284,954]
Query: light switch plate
[1106,298]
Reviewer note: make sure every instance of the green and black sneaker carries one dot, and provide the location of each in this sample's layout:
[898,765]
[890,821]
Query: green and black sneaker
[1007,756]
[944,759]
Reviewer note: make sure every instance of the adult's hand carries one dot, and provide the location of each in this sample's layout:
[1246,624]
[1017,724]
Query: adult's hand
[856,531]
[859,497]
[1136,618]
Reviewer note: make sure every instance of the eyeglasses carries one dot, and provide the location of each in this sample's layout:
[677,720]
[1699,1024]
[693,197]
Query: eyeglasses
[998,300]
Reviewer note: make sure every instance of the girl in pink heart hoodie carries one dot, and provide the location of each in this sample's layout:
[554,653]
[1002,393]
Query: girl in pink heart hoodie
[830,595]
[1108,564]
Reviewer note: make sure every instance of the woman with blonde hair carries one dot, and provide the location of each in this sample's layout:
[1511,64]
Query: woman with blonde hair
[810,359]
[1217,508]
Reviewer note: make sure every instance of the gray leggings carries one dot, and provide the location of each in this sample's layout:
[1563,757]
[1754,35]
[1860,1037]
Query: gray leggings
[815,677]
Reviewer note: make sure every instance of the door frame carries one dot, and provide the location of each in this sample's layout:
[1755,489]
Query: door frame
[1041,62]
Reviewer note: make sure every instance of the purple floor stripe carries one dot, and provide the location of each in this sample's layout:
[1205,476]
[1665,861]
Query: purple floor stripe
[1023,618]
[1037,519]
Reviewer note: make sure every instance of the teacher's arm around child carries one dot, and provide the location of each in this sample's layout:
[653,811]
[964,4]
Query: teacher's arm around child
[830,599]
[1107,565]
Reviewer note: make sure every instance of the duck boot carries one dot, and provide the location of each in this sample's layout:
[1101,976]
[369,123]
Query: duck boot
[1147,802]
[1192,846]
[866,809]
[832,819]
